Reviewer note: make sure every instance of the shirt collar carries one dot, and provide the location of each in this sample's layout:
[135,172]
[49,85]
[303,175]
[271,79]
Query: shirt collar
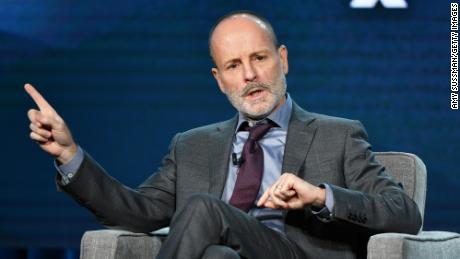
[280,116]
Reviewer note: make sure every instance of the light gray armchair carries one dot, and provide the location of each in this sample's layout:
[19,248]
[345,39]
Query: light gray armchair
[405,168]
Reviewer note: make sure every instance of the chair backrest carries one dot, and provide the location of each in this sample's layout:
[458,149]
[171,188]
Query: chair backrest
[408,169]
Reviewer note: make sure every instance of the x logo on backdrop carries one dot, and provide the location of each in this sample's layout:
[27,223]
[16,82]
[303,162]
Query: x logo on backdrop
[373,3]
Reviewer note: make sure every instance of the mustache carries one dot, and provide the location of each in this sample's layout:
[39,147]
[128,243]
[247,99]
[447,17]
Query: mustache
[254,86]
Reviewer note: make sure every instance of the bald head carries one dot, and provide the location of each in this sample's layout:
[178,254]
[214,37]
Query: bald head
[235,20]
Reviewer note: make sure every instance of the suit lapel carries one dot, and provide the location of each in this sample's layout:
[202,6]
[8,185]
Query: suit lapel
[298,141]
[299,137]
[220,145]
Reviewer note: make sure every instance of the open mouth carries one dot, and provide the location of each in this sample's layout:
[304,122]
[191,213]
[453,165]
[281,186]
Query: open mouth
[254,92]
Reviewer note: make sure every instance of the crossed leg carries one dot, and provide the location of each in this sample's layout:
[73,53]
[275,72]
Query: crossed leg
[207,227]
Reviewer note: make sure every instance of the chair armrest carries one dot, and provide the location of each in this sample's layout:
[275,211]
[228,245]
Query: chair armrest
[427,244]
[118,244]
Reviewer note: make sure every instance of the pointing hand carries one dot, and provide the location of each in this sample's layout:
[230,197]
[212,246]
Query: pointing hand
[48,129]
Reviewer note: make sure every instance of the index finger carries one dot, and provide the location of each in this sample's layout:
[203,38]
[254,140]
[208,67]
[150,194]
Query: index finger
[263,198]
[38,98]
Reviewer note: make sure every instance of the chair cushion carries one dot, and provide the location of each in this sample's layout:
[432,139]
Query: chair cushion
[427,244]
[117,244]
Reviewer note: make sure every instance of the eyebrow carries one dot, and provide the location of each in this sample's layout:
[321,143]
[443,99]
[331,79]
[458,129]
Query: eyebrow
[231,61]
[259,52]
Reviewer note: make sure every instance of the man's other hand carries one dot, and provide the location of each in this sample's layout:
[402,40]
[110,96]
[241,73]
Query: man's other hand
[48,129]
[292,192]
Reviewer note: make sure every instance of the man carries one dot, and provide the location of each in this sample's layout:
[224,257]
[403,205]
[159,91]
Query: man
[297,185]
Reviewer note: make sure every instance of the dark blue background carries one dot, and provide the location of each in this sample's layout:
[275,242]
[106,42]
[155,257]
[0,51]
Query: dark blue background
[127,75]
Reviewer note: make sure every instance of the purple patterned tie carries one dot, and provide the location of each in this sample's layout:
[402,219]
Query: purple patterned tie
[250,174]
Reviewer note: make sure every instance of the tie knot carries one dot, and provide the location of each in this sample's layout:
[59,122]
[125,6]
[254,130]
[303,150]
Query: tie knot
[259,130]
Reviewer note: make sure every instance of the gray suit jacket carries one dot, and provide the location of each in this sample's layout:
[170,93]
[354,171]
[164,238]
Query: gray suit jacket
[319,149]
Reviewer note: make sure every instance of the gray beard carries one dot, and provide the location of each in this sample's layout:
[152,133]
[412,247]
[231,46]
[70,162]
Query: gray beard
[278,92]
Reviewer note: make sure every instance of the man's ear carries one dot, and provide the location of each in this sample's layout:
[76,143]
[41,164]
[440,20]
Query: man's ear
[283,53]
[215,73]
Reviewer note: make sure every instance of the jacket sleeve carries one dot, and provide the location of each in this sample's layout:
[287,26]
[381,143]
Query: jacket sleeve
[145,209]
[372,199]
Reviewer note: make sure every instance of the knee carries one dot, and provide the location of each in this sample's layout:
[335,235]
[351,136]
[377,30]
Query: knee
[221,252]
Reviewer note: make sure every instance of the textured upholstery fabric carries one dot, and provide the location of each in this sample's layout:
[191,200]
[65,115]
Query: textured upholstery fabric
[118,244]
[427,244]
[405,168]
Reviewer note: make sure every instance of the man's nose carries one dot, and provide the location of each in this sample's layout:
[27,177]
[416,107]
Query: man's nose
[249,73]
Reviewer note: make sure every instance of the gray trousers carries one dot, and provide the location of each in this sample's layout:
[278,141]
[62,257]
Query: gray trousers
[207,227]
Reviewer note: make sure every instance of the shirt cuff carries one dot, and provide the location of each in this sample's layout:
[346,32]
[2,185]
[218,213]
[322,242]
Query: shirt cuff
[68,170]
[325,213]
[329,197]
